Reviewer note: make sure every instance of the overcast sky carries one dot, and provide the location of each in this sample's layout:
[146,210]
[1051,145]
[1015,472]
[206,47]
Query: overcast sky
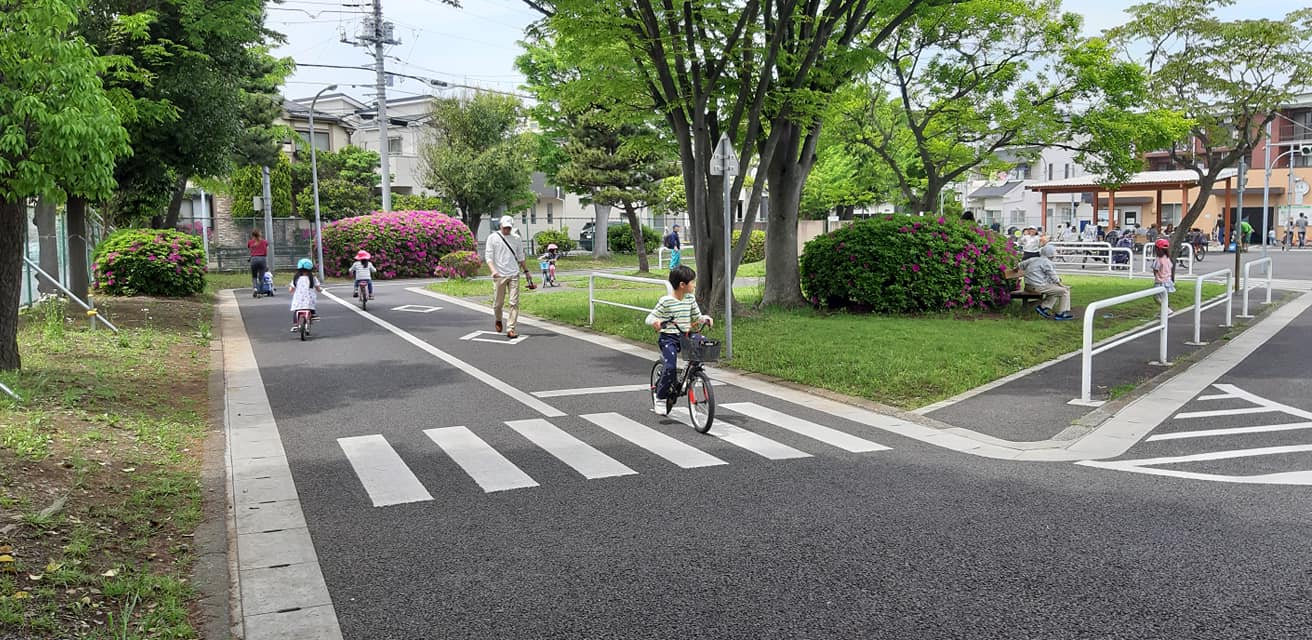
[476,45]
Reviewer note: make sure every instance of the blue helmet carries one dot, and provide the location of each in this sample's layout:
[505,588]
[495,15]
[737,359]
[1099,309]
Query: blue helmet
[304,263]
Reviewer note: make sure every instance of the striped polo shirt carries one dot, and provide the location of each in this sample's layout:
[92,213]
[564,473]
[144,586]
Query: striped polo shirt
[682,312]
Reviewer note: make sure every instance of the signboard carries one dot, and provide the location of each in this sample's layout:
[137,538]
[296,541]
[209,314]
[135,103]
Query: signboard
[725,160]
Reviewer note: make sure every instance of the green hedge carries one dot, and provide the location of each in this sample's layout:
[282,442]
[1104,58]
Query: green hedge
[559,236]
[149,262]
[755,246]
[619,239]
[906,264]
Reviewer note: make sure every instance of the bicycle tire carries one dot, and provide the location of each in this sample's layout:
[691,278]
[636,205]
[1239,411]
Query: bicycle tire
[701,402]
[656,371]
[305,329]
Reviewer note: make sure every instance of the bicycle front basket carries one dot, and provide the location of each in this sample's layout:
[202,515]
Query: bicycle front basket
[699,348]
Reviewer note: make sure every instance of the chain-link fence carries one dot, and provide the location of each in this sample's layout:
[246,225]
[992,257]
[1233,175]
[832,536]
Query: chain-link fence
[46,244]
[289,240]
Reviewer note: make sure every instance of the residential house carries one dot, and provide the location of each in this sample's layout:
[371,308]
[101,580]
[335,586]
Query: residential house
[1005,200]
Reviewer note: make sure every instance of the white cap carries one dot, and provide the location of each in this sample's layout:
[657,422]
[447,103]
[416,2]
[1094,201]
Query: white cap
[507,221]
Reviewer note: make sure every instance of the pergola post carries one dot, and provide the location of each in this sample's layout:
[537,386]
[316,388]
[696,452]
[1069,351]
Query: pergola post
[1111,209]
[1225,215]
[1043,211]
[1158,222]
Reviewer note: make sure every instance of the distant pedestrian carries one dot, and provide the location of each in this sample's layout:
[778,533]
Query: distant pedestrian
[1271,237]
[675,246]
[1163,268]
[1301,225]
[259,252]
[1245,234]
[505,259]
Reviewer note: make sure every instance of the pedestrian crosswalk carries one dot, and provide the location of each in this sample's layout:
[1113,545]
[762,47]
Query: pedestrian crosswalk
[388,480]
[1184,465]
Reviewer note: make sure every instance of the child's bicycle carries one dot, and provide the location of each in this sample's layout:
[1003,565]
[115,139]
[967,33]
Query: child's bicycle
[303,319]
[362,290]
[548,273]
[694,349]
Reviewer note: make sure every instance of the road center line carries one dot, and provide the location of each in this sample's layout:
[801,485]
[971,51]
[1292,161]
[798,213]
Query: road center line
[480,375]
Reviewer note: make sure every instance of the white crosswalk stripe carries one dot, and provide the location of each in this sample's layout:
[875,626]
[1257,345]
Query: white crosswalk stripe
[683,455]
[388,480]
[382,472]
[582,457]
[485,465]
[827,435]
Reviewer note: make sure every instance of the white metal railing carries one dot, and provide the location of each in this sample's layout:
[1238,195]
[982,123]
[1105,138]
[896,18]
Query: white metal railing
[1199,307]
[1088,351]
[686,250]
[10,392]
[1248,266]
[592,297]
[1187,254]
[1073,254]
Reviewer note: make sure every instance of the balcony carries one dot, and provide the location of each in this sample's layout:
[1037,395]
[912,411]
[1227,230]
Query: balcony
[1291,131]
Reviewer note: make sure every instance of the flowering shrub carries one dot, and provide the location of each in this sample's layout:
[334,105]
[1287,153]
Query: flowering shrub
[149,262]
[458,264]
[404,244]
[560,237]
[755,246]
[904,264]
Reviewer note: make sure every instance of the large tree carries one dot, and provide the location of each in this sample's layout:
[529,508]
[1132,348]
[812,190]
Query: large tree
[1227,77]
[61,133]
[477,158]
[757,71]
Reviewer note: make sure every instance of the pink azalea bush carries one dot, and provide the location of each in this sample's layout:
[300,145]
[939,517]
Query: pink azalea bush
[149,262]
[404,244]
[906,264]
[458,264]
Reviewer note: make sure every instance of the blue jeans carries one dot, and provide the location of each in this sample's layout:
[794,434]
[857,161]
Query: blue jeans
[371,285]
[669,344]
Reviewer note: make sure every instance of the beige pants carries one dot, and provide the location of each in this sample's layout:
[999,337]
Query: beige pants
[1055,297]
[507,292]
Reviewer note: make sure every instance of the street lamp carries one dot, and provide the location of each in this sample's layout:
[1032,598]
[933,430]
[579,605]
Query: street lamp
[314,180]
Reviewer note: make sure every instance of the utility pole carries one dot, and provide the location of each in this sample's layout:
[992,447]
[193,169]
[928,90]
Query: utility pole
[377,33]
[268,218]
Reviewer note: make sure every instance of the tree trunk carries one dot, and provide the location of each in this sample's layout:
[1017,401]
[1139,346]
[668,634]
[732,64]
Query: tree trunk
[639,241]
[791,163]
[13,222]
[600,229]
[78,274]
[47,244]
[175,204]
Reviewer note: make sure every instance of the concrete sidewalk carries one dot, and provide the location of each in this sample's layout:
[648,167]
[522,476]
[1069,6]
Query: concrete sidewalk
[1034,405]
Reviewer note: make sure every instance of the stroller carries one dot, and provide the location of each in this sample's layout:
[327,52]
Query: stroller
[266,285]
[1125,241]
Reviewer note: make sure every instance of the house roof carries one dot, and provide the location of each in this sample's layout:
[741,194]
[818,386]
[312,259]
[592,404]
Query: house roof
[300,111]
[1142,181]
[996,191]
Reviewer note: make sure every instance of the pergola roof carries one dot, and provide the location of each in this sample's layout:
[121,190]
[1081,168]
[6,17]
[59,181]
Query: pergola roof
[1143,181]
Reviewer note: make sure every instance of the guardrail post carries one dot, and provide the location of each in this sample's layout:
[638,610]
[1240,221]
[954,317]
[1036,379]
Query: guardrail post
[1165,321]
[1086,358]
[592,306]
[1248,268]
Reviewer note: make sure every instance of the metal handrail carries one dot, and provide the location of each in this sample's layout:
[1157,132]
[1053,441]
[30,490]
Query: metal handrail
[1188,247]
[1248,266]
[90,309]
[1100,250]
[660,253]
[1087,351]
[1199,308]
[593,301]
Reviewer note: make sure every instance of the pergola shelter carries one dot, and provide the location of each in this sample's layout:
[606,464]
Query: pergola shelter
[1157,182]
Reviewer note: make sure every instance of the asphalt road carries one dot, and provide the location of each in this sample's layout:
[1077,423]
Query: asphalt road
[695,536]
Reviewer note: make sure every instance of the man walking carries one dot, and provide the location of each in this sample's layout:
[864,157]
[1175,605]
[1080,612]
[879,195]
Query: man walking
[505,259]
[676,248]
[1301,225]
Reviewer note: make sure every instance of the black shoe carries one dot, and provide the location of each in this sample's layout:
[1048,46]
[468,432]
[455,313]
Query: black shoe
[355,294]
[669,404]
[1043,311]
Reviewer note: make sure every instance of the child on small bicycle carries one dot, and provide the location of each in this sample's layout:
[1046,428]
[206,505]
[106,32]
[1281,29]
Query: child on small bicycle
[362,271]
[547,262]
[303,288]
[675,314]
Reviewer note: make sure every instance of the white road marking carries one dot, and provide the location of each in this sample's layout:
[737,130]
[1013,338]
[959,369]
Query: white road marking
[754,442]
[416,308]
[1223,412]
[588,391]
[475,336]
[583,458]
[1256,399]
[482,376]
[1293,426]
[827,435]
[683,455]
[485,465]
[384,475]
[1147,466]
[1216,396]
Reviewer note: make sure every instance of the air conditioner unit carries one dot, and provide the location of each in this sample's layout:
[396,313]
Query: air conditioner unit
[1305,150]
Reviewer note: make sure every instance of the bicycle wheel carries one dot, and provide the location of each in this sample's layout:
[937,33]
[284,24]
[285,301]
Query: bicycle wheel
[364,299]
[1200,253]
[656,371]
[305,328]
[701,402]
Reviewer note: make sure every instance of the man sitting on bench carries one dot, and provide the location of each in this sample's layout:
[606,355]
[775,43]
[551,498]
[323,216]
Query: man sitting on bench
[1041,278]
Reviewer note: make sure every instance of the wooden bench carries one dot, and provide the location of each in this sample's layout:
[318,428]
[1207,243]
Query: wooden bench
[1020,293]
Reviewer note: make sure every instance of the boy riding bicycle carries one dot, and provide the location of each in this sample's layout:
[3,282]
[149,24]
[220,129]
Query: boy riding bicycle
[675,314]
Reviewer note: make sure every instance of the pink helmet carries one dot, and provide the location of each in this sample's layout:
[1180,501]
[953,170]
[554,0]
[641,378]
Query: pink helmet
[1162,243]
[551,246]
[362,255]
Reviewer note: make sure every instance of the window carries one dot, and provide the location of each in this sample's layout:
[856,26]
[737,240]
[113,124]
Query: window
[992,216]
[1049,170]
[523,217]
[394,146]
[550,212]
[533,214]
[1068,170]
[1170,214]
[322,140]
[1017,217]
[1021,172]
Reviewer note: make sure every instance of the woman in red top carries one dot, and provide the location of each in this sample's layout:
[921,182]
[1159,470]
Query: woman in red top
[259,249]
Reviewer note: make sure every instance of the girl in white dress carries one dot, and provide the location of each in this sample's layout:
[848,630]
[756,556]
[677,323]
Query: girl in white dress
[303,288]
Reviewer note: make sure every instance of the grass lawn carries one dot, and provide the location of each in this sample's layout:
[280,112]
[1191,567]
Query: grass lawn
[903,361]
[100,472]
